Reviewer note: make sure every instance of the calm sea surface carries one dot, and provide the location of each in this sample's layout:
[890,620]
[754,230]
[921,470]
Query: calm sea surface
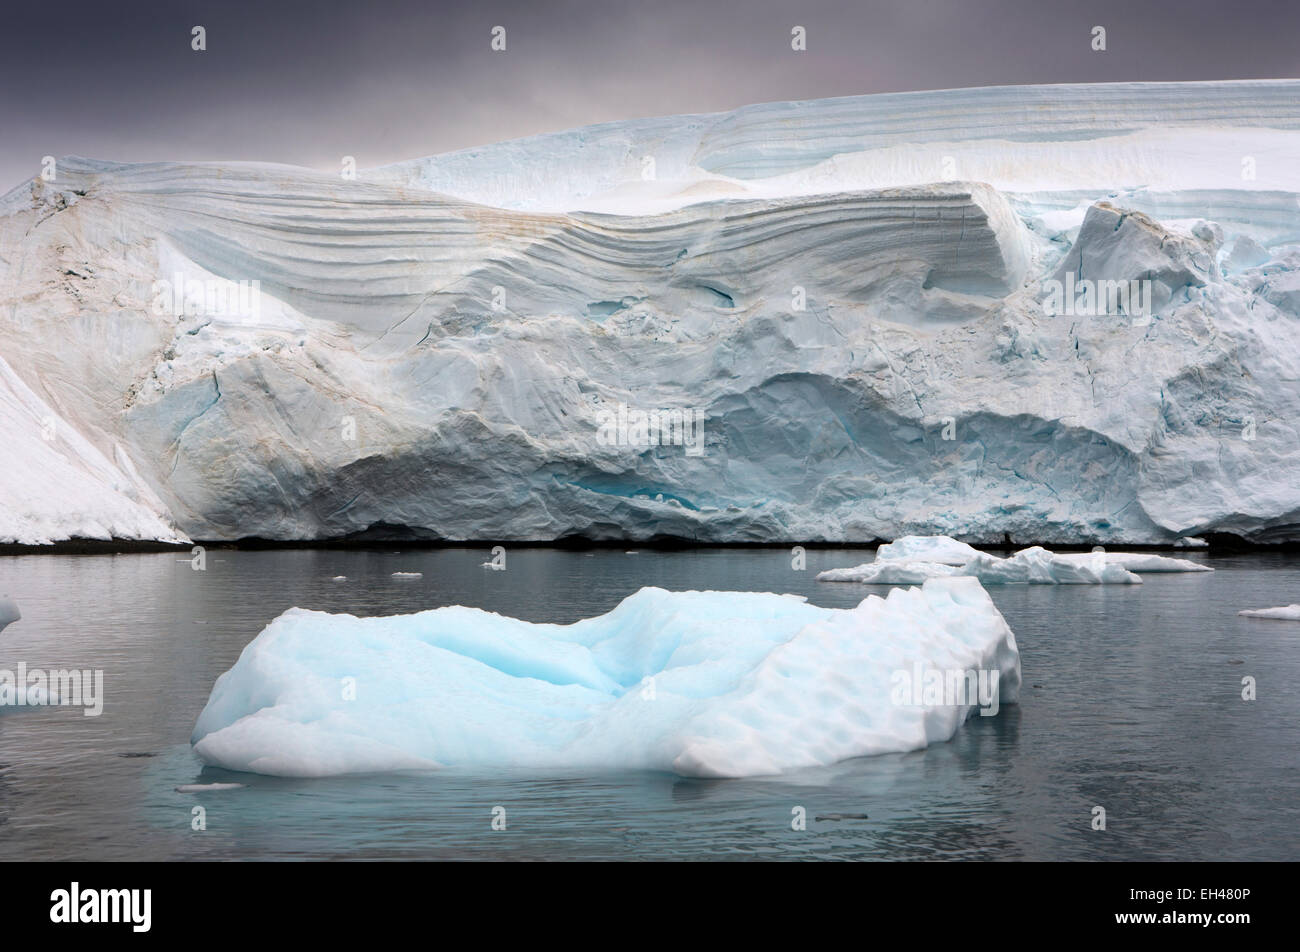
[1132,701]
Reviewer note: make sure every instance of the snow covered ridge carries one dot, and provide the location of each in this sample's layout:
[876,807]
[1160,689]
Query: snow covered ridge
[710,684]
[849,293]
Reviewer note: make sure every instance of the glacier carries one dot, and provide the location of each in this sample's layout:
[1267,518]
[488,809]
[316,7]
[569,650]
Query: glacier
[704,684]
[849,292]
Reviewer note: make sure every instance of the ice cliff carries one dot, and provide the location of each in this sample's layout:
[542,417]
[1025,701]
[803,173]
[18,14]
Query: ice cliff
[850,295]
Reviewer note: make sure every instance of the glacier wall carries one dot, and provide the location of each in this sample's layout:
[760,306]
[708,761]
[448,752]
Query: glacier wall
[850,293]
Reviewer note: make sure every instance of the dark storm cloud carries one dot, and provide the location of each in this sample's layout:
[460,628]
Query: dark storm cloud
[307,83]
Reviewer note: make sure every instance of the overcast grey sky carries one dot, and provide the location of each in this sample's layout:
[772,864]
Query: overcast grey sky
[307,83]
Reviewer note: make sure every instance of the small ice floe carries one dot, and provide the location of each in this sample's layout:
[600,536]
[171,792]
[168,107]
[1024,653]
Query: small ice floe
[632,552]
[205,787]
[1191,542]
[9,612]
[1140,562]
[926,557]
[408,575]
[1285,613]
[942,549]
[889,572]
[339,578]
[1035,566]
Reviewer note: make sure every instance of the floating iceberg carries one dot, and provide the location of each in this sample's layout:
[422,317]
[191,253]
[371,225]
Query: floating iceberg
[890,572]
[1139,562]
[9,612]
[1034,565]
[928,549]
[1037,566]
[715,684]
[1285,613]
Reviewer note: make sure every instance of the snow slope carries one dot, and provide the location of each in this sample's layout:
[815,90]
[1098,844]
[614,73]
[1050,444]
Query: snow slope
[848,293]
[711,684]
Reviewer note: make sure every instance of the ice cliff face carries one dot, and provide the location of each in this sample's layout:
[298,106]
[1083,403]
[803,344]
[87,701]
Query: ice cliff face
[837,320]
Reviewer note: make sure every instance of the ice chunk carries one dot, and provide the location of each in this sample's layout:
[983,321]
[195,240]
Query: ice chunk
[928,549]
[1285,613]
[1139,561]
[1036,565]
[1246,253]
[723,684]
[9,612]
[889,572]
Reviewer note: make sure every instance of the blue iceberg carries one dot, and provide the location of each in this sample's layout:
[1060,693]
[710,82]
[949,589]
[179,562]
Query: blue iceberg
[714,684]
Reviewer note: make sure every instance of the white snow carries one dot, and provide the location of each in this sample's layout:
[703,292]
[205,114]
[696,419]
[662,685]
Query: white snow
[1038,566]
[717,684]
[850,292]
[928,549]
[1285,613]
[1034,565]
[1139,561]
[55,484]
[889,572]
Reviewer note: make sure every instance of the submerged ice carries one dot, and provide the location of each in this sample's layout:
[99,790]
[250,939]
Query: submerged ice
[712,684]
[9,612]
[1282,613]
